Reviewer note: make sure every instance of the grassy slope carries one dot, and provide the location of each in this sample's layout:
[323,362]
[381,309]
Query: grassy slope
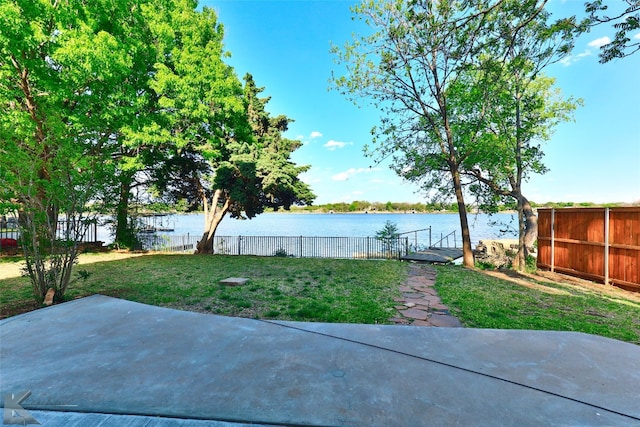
[486,302]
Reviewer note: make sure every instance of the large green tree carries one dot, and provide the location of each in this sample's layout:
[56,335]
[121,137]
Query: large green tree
[62,64]
[170,96]
[507,100]
[442,73]
[225,150]
[257,174]
[415,51]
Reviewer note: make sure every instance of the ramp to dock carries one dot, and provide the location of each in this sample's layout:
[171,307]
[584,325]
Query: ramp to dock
[434,255]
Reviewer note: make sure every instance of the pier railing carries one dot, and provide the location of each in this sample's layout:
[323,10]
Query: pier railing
[446,241]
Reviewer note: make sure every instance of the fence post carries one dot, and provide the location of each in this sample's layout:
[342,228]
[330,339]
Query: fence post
[429,236]
[301,245]
[553,243]
[606,246]
[239,245]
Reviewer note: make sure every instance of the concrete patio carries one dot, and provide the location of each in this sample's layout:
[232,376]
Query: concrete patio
[105,361]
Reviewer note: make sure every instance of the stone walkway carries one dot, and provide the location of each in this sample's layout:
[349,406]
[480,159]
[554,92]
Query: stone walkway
[420,304]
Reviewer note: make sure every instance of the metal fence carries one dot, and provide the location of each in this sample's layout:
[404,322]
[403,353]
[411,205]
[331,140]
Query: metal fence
[293,246]
[169,243]
[85,232]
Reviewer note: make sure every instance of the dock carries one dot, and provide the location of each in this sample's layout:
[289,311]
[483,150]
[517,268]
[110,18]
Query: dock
[434,255]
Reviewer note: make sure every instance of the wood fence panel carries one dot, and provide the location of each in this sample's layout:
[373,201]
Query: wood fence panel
[574,241]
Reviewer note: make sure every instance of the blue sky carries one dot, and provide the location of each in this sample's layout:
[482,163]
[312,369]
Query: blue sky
[285,45]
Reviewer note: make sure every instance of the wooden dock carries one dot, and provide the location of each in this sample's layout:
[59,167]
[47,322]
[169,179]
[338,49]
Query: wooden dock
[434,255]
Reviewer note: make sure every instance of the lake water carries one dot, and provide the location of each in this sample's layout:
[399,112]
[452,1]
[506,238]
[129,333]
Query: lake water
[337,225]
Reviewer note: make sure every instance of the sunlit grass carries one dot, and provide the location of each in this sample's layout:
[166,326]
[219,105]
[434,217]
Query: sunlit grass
[328,290]
[481,301]
[325,290]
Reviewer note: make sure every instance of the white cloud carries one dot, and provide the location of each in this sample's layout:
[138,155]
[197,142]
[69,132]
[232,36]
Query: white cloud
[332,145]
[343,176]
[637,36]
[599,42]
[596,43]
[571,59]
[315,134]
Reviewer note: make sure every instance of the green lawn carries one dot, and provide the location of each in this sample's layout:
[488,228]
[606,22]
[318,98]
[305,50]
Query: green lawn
[327,290]
[323,290]
[482,301]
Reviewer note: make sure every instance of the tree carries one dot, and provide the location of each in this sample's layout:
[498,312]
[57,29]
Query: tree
[508,101]
[624,21]
[152,131]
[60,68]
[238,163]
[415,52]
[258,173]
[510,150]
[389,235]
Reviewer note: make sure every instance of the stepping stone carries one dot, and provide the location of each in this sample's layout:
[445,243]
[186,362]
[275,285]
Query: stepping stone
[431,291]
[421,323]
[234,281]
[444,321]
[414,313]
[415,301]
[412,295]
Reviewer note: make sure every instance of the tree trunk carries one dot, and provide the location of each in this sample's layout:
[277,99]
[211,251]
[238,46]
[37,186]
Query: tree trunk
[213,215]
[519,260]
[123,232]
[531,226]
[467,252]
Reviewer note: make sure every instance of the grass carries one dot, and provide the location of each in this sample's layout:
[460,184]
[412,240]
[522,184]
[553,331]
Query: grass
[321,290]
[349,291]
[482,301]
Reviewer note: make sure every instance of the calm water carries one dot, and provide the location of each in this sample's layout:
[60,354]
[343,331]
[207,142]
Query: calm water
[336,225]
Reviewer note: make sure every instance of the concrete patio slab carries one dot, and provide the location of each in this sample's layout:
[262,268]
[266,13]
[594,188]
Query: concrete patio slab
[130,363]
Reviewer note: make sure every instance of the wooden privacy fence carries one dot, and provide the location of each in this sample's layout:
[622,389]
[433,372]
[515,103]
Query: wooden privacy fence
[601,244]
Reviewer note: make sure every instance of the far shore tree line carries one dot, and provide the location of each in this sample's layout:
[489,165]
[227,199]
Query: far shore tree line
[360,206]
[108,105]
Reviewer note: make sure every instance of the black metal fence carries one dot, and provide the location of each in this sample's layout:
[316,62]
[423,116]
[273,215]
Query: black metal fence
[9,235]
[169,242]
[85,232]
[294,246]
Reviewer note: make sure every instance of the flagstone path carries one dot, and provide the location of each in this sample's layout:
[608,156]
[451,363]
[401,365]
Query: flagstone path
[420,304]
